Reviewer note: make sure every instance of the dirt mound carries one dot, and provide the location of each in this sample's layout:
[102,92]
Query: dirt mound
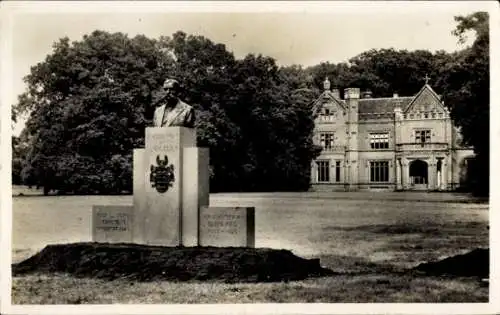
[472,264]
[149,263]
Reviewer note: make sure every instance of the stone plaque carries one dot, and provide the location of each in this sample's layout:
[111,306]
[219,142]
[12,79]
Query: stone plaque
[163,183]
[112,224]
[227,226]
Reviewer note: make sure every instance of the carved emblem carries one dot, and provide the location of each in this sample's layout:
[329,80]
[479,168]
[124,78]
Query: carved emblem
[162,176]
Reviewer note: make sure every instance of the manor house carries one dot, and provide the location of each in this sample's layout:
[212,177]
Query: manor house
[395,143]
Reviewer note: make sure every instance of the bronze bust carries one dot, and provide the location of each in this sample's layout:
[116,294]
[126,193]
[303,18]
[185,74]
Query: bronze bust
[171,111]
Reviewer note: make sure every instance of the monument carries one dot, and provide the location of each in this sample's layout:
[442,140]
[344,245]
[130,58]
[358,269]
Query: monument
[171,190]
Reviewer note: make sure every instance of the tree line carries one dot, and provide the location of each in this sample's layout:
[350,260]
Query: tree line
[89,102]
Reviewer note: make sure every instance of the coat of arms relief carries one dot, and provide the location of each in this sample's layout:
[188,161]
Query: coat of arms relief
[162,176]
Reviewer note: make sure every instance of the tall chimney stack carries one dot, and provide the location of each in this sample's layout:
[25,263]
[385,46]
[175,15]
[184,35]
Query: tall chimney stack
[326,84]
[336,93]
[367,94]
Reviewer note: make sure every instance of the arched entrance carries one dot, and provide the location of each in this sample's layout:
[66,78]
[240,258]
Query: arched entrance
[419,174]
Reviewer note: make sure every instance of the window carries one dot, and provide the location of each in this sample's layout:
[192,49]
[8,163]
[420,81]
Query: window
[323,171]
[379,140]
[379,171]
[337,171]
[422,136]
[327,115]
[326,140]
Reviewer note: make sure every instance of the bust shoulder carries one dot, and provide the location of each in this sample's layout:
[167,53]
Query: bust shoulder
[184,105]
[159,109]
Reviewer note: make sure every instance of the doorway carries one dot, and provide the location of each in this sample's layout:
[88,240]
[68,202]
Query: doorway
[419,174]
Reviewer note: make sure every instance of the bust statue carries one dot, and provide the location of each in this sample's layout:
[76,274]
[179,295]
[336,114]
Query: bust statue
[170,110]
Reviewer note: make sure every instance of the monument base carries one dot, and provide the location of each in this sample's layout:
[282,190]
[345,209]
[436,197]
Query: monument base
[171,199]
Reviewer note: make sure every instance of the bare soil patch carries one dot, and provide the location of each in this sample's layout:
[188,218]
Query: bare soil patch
[472,264]
[152,263]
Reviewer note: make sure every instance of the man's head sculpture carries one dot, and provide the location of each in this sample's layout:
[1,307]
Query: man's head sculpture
[170,110]
[171,84]
[171,87]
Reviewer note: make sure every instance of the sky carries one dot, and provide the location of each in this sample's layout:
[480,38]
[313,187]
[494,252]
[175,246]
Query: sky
[292,34]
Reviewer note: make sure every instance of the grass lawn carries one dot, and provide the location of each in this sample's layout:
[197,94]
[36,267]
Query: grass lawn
[369,238]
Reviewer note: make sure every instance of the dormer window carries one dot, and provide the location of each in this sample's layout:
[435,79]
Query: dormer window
[327,115]
[328,112]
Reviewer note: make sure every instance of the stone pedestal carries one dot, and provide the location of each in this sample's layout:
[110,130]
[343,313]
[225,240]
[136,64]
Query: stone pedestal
[164,153]
[195,192]
[171,183]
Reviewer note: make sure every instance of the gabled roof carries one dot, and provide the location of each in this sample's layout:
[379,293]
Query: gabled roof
[327,97]
[383,105]
[425,91]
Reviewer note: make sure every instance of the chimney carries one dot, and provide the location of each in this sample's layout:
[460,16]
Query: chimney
[398,112]
[351,93]
[326,84]
[367,94]
[395,95]
[336,93]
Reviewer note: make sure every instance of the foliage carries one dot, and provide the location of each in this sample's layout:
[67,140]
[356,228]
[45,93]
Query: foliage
[91,100]
[384,71]
[467,86]
[17,161]
[88,104]
[276,149]
[259,134]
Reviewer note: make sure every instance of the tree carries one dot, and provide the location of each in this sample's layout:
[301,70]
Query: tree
[276,125]
[466,85]
[19,149]
[384,71]
[242,106]
[205,70]
[89,102]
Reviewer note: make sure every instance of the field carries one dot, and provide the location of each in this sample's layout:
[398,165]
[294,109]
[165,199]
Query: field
[366,237]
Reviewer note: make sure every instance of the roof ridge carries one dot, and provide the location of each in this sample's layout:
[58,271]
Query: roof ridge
[385,98]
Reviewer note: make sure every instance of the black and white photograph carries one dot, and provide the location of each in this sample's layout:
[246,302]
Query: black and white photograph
[299,156]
